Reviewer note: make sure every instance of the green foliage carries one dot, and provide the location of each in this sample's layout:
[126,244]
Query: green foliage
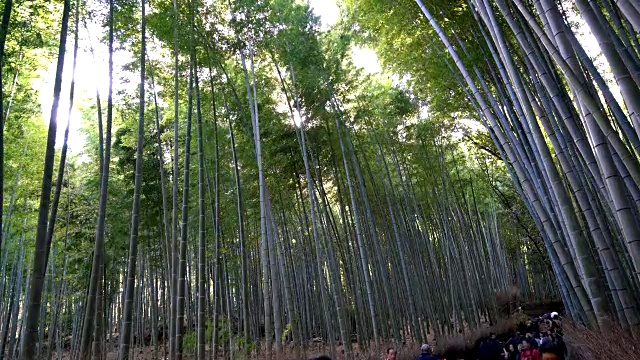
[406,43]
[286,331]
[190,341]
[413,126]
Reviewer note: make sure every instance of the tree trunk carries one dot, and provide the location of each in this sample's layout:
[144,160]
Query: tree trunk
[182,267]
[4,30]
[41,251]
[175,174]
[125,334]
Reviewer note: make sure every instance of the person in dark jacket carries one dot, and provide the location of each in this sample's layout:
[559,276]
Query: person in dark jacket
[515,340]
[532,341]
[512,352]
[484,349]
[426,353]
[491,349]
[552,351]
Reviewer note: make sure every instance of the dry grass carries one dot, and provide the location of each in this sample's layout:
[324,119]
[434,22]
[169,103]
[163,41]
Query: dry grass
[587,344]
[454,347]
[460,345]
[507,300]
[583,344]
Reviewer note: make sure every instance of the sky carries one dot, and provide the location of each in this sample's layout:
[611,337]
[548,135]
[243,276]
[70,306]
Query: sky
[327,10]
[329,13]
[45,84]
[90,75]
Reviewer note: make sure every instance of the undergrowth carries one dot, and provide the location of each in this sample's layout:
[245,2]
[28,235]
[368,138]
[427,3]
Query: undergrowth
[611,343]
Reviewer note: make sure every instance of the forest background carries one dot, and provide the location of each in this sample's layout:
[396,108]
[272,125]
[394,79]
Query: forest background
[241,177]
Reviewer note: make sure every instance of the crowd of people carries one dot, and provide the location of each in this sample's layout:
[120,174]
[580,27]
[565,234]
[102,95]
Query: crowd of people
[426,353]
[537,339]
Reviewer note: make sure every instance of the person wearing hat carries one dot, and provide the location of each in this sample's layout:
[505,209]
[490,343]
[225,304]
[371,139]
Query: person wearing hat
[426,353]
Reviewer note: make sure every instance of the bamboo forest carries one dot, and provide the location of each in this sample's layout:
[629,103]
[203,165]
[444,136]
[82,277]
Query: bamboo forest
[284,179]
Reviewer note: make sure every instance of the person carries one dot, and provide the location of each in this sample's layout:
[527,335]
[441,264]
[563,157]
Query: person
[545,325]
[485,351]
[552,351]
[426,353]
[515,340]
[531,327]
[490,348]
[512,352]
[532,342]
[538,338]
[496,349]
[391,354]
[504,354]
[529,353]
[546,339]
